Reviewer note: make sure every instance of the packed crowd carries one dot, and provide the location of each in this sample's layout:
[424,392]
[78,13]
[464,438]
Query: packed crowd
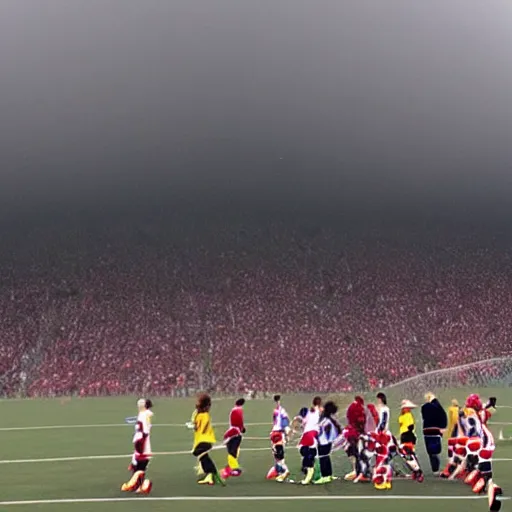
[136,308]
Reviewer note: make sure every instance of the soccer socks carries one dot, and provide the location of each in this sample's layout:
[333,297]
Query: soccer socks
[309,476]
[233,463]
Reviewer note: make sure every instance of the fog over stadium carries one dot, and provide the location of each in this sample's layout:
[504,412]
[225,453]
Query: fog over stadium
[205,188]
[330,103]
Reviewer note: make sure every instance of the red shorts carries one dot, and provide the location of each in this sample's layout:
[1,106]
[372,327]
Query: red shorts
[309,439]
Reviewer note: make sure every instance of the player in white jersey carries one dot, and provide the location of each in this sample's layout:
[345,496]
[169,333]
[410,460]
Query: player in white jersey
[309,440]
[383,412]
[480,449]
[385,446]
[142,450]
[278,436]
[329,431]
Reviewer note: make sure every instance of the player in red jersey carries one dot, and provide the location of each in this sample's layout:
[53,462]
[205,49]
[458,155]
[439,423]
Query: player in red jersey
[356,424]
[233,439]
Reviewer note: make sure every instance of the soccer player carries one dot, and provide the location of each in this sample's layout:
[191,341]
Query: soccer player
[453,419]
[461,459]
[385,446]
[142,450]
[309,440]
[278,436]
[408,440]
[329,431]
[383,412]
[480,478]
[366,445]
[204,439]
[435,422]
[356,423]
[474,449]
[233,439]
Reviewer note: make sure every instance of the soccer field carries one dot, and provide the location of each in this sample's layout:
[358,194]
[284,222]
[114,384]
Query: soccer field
[72,455]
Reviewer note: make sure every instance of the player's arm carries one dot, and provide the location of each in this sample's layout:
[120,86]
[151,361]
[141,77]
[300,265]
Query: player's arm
[191,425]
[491,403]
[243,429]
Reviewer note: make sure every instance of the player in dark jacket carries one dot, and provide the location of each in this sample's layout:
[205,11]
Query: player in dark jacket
[435,422]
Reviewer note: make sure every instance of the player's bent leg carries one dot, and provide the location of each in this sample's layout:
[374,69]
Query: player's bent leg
[279,471]
[454,459]
[202,452]
[484,470]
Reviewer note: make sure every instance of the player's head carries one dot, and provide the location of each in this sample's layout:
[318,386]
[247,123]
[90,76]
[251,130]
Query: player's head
[240,402]
[382,399]
[303,412]
[429,397]
[455,402]
[143,404]
[317,402]
[277,398]
[473,401]
[204,402]
[330,409]
[359,399]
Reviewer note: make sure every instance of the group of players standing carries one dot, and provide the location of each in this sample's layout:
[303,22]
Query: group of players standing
[372,448]
[365,437]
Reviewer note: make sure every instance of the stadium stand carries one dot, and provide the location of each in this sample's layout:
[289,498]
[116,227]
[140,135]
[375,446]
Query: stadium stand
[161,310]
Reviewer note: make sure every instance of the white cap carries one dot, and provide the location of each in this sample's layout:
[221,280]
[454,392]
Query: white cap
[407,404]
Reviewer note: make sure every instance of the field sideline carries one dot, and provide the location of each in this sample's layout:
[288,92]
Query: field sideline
[71,455]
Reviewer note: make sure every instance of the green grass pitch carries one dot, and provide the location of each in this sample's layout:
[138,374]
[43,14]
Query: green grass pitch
[41,464]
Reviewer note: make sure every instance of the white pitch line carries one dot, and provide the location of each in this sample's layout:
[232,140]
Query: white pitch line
[107,457]
[328,497]
[113,425]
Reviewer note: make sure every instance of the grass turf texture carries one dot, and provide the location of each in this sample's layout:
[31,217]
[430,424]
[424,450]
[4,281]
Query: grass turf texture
[172,472]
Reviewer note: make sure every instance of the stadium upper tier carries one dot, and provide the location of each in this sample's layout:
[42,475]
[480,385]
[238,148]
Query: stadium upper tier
[130,310]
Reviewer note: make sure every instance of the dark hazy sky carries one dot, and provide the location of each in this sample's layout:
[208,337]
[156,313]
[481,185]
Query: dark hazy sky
[143,100]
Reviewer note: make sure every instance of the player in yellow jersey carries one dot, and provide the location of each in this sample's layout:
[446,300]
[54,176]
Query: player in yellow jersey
[408,440]
[453,419]
[204,439]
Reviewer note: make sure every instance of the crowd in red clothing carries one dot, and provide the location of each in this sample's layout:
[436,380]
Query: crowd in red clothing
[145,309]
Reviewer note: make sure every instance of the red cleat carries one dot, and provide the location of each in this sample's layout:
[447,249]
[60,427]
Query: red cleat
[272,473]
